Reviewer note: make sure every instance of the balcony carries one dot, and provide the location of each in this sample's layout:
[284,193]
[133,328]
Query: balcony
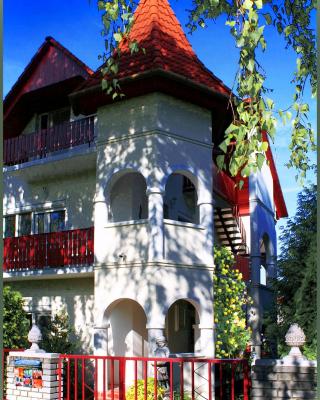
[49,250]
[40,144]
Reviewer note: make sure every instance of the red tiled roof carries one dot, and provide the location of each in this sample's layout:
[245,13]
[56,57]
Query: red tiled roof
[158,31]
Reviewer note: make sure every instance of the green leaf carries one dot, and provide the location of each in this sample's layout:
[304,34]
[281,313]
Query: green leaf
[230,23]
[117,37]
[223,146]
[259,4]
[247,4]
[220,161]
[260,160]
[268,18]
[264,146]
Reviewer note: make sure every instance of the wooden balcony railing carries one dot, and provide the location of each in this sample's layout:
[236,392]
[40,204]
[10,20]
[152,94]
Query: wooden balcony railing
[39,144]
[56,249]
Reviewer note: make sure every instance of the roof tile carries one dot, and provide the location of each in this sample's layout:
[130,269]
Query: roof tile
[158,31]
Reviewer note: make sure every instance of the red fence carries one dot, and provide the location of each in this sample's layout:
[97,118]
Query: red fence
[132,378]
[39,144]
[74,247]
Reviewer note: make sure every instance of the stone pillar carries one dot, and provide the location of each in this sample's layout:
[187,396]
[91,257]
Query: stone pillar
[206,214]
[49,364]
[156,229]
[255,317]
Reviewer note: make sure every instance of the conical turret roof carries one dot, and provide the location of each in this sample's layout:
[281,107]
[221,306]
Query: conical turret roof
[158,31]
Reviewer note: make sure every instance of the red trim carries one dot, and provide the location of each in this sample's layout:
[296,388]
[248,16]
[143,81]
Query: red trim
[281,208]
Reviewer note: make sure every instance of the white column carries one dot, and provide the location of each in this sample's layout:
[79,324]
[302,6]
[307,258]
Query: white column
[255,312]
[100,221]
[206,340]
[156,229]
[206,214]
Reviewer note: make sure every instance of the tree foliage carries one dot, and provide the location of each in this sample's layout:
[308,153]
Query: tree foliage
[244,148]
[57,336]
[15,321]
[230,303]
[296,284]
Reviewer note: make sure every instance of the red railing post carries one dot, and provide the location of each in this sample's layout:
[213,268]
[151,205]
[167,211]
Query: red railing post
[122,381]
[245,380]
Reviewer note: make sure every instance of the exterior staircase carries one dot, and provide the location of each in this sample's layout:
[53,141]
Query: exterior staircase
[230,230]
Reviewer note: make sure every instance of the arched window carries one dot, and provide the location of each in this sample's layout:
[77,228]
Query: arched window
[180,200]
[128,199]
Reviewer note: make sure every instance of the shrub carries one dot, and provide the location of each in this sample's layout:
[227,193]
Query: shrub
[15,320]
[130,394]
[230,303]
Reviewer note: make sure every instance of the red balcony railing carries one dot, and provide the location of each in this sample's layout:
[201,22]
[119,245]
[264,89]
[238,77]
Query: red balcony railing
[39,144]
[56,249]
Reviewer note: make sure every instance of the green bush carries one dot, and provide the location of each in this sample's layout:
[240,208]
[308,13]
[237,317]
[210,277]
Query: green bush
[230,302]
[16,324]
[130,394]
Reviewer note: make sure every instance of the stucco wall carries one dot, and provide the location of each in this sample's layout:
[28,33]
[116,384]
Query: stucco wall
[75,295]
[75,193]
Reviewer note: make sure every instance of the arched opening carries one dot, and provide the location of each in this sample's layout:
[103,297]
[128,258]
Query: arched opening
[128,198]
[127,332]
[180,321]
[263,276]
[180,200]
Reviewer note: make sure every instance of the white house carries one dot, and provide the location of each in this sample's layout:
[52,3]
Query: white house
[112,209]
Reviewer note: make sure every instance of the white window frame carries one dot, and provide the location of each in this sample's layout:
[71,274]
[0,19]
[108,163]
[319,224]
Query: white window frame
[45,211]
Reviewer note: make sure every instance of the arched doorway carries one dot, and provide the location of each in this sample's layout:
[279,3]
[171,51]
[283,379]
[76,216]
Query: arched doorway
[127,333]
[180,321]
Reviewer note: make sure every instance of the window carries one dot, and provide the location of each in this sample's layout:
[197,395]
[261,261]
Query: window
[57,219]
[9,226]
[39,220]
[41,319]
[28,223]
[51,221]
[25,224]
[52,118]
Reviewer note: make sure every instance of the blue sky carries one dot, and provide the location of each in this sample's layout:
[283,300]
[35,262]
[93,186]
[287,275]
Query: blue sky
[77,24]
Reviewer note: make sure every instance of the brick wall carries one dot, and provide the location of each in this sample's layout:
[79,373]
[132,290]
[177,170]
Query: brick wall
[279,379]
[50,383]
